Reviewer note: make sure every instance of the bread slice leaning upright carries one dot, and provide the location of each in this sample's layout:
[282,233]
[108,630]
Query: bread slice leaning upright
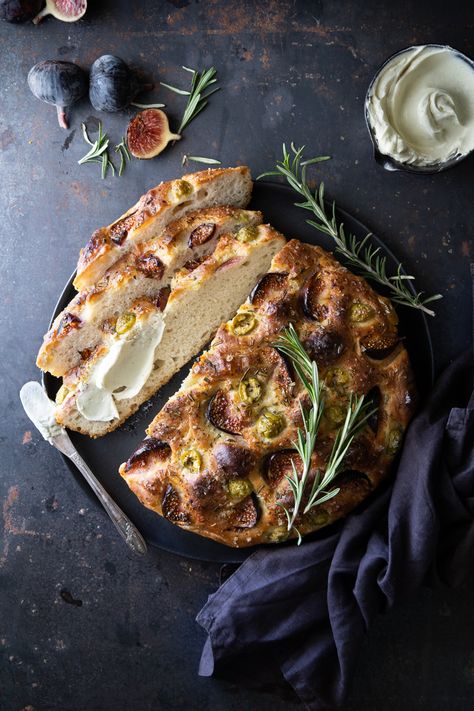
[148,344]
[154,210]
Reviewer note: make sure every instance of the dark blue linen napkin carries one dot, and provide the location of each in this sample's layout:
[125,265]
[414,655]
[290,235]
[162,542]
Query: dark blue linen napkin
[307,609]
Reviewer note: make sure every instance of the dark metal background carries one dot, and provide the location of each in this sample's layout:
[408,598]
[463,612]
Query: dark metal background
[83,625]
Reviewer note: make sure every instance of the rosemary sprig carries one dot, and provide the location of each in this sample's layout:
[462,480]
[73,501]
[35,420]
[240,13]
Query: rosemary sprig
[358,413]
[197,99]
[359,254]
[307,370]
[98,152]
[124,153]
[200,159]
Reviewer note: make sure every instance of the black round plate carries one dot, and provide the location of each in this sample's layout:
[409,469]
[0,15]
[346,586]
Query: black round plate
[106,454]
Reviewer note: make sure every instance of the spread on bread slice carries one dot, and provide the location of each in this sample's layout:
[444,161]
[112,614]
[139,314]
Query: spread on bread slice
[147,271]
[154,210]
[216,457]
[145,345]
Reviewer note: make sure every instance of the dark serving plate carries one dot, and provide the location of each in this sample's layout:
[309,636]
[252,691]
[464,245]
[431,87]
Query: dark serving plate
[106,454]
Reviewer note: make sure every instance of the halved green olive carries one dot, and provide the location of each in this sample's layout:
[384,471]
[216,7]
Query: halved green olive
[239,488]
[250,390]
[335,414]
[61,394]
[278,534]
[394,440]
[243,323]
[360,312]
[336,377]
[191,460]
[181,188]
[270,424]
[319,517]
[124,323]
[247,233]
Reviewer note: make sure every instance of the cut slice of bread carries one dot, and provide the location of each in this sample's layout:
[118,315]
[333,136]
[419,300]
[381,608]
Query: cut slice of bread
[147,271]
[200,300]
[159,206]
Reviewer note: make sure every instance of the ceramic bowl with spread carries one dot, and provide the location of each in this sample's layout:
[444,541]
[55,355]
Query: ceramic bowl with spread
[419,109]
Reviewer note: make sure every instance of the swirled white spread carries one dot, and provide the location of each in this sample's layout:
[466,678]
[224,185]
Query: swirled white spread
[122,372]
[421,106]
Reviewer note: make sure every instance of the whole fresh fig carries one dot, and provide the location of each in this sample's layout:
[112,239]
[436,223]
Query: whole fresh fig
[113,85]
[58,83]
[19,10]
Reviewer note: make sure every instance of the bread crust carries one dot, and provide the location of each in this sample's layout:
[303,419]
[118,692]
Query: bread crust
[234,488]
[145,271]
[141,222]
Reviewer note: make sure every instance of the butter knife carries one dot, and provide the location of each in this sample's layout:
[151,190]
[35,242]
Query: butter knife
[40,410]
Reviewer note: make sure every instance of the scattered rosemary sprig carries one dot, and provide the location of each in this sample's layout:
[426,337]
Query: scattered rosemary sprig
[124,153]
[359,254]
[197,99]
[356,417]
[98,152]
[200,159]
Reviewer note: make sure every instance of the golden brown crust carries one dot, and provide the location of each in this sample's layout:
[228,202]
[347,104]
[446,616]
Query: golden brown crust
[109,244]
[233,491]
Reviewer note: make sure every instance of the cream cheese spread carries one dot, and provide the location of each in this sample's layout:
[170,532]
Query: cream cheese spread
[122,372]
[40,409]
[420,106]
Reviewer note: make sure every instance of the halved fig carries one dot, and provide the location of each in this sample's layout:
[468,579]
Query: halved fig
[278,465]
[148,133]
[353,480]
[163,296]
[373,400]
[151,265]
[325,346]
[246,513]
[150,445]
[234,460]
[269,286]
[120,229]
[68,323]
[311,294]
[379,346]
[171,506]
[64,10]
[201,234]
[219,414]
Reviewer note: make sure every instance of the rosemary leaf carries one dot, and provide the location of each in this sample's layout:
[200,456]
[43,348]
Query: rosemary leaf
[201,159]
[197,99]
[360,254]
[147,106]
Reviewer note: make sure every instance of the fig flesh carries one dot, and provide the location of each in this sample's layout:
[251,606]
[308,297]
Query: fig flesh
[58,83]
[19,10]
[148,133]
[113,85]
[65,10]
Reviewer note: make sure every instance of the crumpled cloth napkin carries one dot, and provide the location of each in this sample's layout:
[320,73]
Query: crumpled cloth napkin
[307,609]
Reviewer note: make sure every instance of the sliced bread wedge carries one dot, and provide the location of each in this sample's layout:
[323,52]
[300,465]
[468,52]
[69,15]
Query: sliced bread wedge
[147,271]
[157,208]
[150,343]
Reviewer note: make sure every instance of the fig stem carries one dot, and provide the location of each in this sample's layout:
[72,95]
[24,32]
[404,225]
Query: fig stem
[42,13]
[62,117]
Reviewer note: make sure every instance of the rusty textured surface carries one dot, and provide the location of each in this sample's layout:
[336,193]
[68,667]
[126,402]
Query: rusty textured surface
[83,625]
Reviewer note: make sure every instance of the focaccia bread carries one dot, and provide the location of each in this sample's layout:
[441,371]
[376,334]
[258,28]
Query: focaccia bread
[144,272]
[215,458]
[159,206]
[153,339]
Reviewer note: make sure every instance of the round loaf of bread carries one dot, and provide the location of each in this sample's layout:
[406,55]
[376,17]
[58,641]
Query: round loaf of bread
[217,456]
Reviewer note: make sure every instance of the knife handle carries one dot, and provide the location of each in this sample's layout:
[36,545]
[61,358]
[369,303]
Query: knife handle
[122,523]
